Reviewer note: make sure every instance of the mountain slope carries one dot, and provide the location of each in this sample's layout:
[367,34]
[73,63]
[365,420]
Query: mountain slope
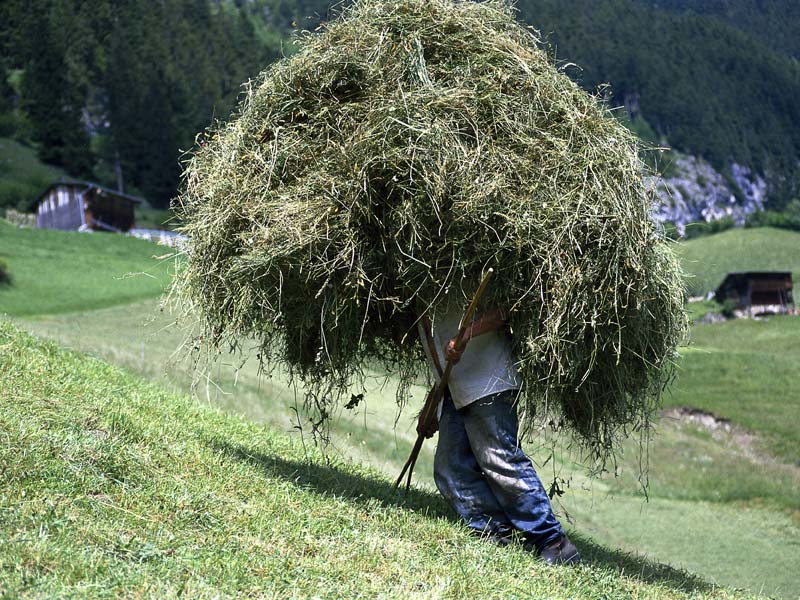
[140,79]
[702,83]
[112,486]
[706,87]
[774,22]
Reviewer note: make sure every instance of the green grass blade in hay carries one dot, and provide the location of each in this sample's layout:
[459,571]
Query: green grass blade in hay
[400,152]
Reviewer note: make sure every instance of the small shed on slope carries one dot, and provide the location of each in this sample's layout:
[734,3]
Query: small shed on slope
[82,205]
[758,292]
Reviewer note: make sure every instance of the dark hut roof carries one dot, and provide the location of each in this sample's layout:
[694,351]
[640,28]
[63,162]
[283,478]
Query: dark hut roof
[735,276]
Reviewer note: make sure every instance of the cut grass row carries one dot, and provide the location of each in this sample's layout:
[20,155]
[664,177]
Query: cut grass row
[746,371]
[112,486]
[143,340]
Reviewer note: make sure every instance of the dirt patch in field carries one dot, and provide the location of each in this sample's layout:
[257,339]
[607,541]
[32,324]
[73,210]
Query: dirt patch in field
[701,417]
[721,428]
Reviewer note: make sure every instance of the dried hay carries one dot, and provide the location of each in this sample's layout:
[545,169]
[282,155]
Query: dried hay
[404,149]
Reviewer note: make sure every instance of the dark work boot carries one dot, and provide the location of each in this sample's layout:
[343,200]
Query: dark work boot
[561,552]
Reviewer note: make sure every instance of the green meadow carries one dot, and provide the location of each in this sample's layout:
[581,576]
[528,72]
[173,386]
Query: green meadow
[114,487]
[63,271]
[723,504]
[746,371]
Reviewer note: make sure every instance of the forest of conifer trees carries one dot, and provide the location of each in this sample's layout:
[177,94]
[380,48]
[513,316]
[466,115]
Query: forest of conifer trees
[113,90]
[117,89]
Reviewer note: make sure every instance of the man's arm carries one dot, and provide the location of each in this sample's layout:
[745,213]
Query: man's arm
[492,320]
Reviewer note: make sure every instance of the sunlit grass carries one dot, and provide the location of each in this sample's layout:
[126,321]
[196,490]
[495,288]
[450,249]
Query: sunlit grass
[60,271]
[746,370]
[114,487]
[706,482]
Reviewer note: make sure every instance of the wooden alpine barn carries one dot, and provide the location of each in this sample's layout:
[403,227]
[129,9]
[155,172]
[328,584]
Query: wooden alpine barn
[85,206]
[757,293]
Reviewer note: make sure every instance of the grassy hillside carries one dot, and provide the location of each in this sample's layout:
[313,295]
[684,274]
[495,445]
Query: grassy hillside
[739,506]
[737,502]
[112,486]
[56,271]
[22,175]
[746,371]
[708,259]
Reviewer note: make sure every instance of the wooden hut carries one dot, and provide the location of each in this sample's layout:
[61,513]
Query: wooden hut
[757,292]
[81,205]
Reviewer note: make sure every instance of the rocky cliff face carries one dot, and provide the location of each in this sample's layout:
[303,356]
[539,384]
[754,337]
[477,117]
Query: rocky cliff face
[695,191]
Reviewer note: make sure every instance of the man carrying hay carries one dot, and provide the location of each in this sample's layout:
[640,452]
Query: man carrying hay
[403,148]
[479,466]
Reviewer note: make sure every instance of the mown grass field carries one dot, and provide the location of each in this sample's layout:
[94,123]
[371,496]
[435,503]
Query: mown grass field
[59,271]
[726,510]
[114,487]
[708,259]
[747,371]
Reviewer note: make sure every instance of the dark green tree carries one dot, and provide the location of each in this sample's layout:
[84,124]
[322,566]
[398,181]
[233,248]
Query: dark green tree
[53,103]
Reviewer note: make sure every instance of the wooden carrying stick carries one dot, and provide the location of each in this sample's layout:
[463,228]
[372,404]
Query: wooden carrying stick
[435,395]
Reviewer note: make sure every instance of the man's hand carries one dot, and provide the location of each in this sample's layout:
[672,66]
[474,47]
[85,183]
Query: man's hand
[427,429]
[428,424]
[453,350]
[491,321]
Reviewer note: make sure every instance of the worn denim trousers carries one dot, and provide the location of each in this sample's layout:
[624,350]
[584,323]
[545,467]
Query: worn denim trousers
[483,473]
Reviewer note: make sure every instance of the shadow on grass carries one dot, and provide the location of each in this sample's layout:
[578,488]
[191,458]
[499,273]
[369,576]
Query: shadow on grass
[638,567]
[337,479]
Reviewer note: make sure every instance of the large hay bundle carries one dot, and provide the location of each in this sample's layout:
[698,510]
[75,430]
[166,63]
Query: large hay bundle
[404,149]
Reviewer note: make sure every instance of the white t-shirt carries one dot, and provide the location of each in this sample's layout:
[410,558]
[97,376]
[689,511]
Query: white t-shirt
[486,366]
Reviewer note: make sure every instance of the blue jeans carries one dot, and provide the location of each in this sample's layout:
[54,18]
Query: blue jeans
[483,473]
